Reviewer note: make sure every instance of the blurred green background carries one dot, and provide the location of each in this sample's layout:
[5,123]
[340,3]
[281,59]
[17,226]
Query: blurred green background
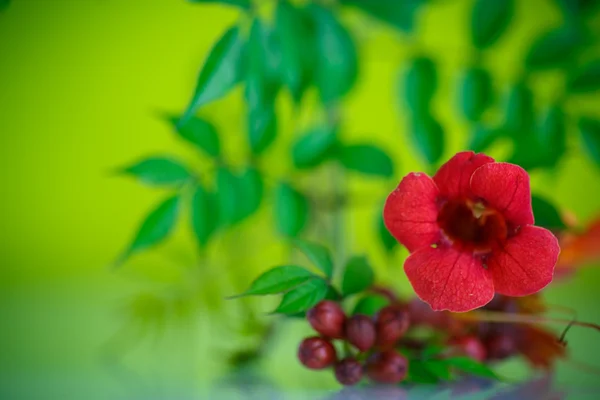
[83,86]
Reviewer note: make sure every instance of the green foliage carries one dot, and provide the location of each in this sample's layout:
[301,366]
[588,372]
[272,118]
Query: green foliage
[483,137]
[428,136]
[370,305]
[358,275]
[399,14]
[250,188]
[155,228]
[476,93]
[419,85]
[590,133]
[222,70]
[319,255]
[576,8]
[419,372]
[303,297]
[262,128]
[586,79]
[519,113]
[159,171]
[227,197]
[243,4]
[546,215]
[554,48]
[199,132]
[337,61]
[204,215]
[366,159]
[314,147]
[4,4]
[279,280]
[291,210]
[471,367]
[387,240]
[489,21]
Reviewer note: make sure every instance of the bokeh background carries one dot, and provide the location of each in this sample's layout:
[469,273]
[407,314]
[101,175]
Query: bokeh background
[85,85]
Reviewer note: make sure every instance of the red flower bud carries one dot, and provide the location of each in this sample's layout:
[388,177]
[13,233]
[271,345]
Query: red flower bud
[391,324]
[348,371]
[387,367]
[327,318]
[471,347]
[360,332]
[316,353]
[500,346]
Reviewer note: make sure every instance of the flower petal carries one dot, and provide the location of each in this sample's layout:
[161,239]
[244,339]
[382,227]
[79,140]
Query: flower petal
[505,187]
[410,212]
[449,279]
[525,263]
[454,177]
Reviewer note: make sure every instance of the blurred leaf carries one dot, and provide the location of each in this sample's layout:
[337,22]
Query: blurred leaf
[419,373]
[552,137]
[291,210]
[243,4]
[303,297]
[227,196]
[262,128]
[428,136]
[388,241]
[4,4]
[319,255]
[419,85]
[314,147]
[546,215]
[278,280]
[156,227]
[370,305]
[439,369]
[519,115]
[590,133]
[337,61]
[579,7]
[586,79]
[222,70]
[238,195]
[554,48]
[204,215]
[250,192]
[471,367]
[298,57]
[366,159]
[489,21]
[159,171]
[148,311]
[399,14]
[476,93]
[482,137]
[200,133]
[358,276]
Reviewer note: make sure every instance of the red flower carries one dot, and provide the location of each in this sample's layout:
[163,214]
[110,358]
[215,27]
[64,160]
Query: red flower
[469,231]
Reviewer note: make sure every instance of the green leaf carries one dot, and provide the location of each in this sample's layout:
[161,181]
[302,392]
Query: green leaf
[519,113]
[398,14]
[489,21]
[439,369]
[586,79]
[482,137]
[370,305]
[4,4]
[156,227]
[428,136]
[262,128]
[200,133]
[552,137]
[291,210]
[159,171]
[476,93]
[419,373]
[366,159]
[575,8]
[243,4]
[471,367]
[303,297]
[314,147]
[222,70]
[204,215]
[279,280]
[250,188]
[555,48]
[419,85]
[227,197]
[337,61]
[319,255]
[358,276]
[590,133]
[386,238]
[546,215]
[298,51]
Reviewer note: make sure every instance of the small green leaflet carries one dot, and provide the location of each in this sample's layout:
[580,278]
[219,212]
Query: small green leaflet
[239,195]
[418,372]
[554,48]
[227,197]
[243,4]
[552,137]
[262,128]
[155,228]
[519,113]
[319,255]
[303,297]
[482,137]
[387,240]
[590,133]
[399,14]
[428,136]
[586,79]
[314,147]
[419,85]
[279,280]
[489,20]
[370,305]
[546,215]
[204,215]
[471,367]
[222,70]
[476,93]
[291,210]
[159,171]
[199,132]
[366,159]
[250,188]
[358,276]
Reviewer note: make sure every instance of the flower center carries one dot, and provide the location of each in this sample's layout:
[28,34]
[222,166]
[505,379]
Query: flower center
[472,225]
